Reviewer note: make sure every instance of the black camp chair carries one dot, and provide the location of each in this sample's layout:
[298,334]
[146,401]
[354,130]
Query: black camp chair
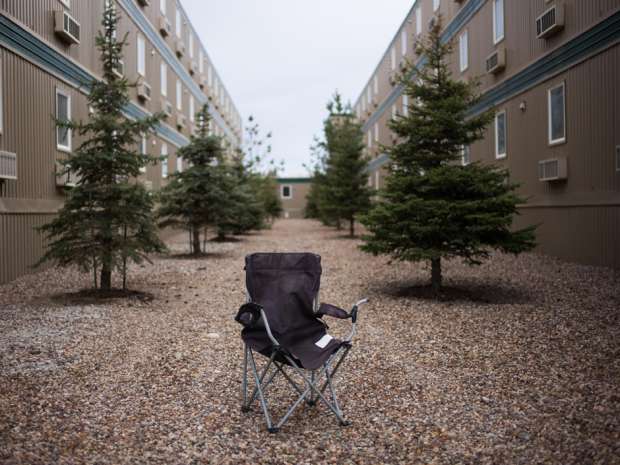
[282,321]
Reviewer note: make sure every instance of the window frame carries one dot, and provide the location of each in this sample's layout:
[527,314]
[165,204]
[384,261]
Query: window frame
[464,41]
[404,39]
[436,5]
[178,22]
[144,149]
[290,191]
[163,7]
[67,95]
[179,164]
[66,3]
[192,109]
[393,57]
[141,55]
[465,155]
[496,39]
[179,95]
[376,132]
[164,160]
[561,140]
[163,78]
[418,20]
[405,105]
[498,155]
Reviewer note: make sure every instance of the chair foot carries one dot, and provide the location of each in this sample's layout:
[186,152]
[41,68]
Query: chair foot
[345,423]
[246,408]
[273,430]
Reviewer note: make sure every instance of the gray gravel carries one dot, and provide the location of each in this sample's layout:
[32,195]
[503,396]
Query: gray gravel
[520,363]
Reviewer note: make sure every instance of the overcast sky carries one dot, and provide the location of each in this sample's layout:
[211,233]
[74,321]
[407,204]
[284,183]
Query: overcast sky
[281,60]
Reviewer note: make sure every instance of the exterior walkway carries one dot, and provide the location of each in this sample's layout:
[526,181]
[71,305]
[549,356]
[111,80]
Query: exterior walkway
[520,364]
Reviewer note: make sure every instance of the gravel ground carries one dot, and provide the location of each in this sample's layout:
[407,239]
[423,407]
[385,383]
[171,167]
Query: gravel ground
[520,363]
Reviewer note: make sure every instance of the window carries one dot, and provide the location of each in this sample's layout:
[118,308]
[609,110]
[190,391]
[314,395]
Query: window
[63,113]
[66,3]
[179,95]
[179,22]
[191,44]
[369,140]
[376,131]
[557,114]
[287,192]
[162,6]
[369,96]
[1,103]
[143,150]
[179,164]
[164,161]
[163,71]
[436,4]
[377,179]
[376,85]
[191,108]
[418,19]
[201,62]
[393,57]
[498,21]
[500,134]
[405,105]
[210,73]
[363,104]
[465,155]
[464,50]
[403,41]
[141,56]
[394,112]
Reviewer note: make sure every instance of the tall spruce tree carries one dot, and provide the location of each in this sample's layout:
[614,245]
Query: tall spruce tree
[342,192]
[107,217]
[201,195]
[432,207]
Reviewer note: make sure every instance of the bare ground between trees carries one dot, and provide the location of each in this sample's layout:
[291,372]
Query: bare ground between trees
[519,364]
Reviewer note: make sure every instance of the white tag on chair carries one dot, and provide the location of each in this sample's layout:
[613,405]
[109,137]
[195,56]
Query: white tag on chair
[322,343]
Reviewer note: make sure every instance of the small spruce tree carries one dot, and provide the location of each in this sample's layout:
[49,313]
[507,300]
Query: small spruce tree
[107,217]
[200,195]
[432,207]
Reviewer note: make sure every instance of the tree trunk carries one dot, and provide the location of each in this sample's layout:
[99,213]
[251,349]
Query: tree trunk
[195,241]
[352,227]
[436,274]
[106,277]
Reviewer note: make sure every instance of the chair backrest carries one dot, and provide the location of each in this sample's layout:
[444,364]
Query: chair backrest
[285,285]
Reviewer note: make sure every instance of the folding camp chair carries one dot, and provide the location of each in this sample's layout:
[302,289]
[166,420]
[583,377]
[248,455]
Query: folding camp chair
[282,321]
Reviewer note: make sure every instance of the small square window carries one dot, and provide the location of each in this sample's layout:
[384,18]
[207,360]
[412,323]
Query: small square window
[465,155]
[498,21]
[287,192]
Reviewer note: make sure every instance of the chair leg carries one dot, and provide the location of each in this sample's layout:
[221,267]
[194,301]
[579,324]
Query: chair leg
[259,381]
[245,406]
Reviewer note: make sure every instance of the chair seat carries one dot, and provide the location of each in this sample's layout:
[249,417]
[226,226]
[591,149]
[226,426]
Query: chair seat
[302,346]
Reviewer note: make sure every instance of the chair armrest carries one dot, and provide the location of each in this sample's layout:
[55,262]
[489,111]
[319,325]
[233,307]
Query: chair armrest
[332,310]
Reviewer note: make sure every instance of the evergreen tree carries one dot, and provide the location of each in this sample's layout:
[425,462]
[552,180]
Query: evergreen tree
[201,195]
[107,218]
[432,207]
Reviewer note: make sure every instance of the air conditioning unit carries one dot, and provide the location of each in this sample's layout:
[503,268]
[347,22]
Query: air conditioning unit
[496,62]
[119,69]
[8,165]
[65,178]
[554,169]
[193,68]
[67,28]
[550,22]
[165,28]
[144,91]
[181,122]
[144,2]
[180,48]
[166,107]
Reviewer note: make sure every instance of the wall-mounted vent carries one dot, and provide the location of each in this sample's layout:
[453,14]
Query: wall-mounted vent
[618,158]
[144,2]
[166,107]
[496,62]
[67,28]
[554,169]
[165,28]
[144,91]
[550,22]
[180,48]
[119,69]
[8,165]
[64,178]
[181,122]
